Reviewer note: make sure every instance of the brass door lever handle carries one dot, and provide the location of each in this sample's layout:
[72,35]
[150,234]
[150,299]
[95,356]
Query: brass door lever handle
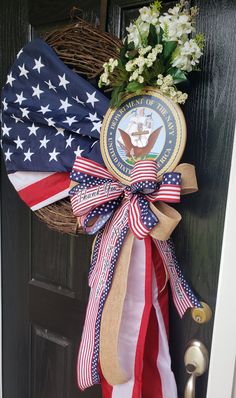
[196,361]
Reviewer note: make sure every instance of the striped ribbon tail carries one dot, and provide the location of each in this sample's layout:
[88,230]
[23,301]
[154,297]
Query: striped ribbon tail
[183,296]
[106,251]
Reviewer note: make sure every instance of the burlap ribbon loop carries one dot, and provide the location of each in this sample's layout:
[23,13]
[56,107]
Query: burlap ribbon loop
[168,220]
[188,176]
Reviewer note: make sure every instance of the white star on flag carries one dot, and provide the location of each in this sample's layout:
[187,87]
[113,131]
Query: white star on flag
[38,64]
[70,120]
[92,117]
[20,98]
[69,141]
[44,109]
[25,112]
[28,155]
[8,154]
[60,131]
[5,106]
[17,119]
[50,121]
[44,142]
[63,81]
[33,129]
[65,104]
[50,85]
[78,151]
[37,91]
[53,155]
[19,142]
[10,79]
[97,126]
[23,72]
[91,98]
[5,130]
[78,100]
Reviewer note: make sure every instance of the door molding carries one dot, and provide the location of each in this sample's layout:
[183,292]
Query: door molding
[222,364]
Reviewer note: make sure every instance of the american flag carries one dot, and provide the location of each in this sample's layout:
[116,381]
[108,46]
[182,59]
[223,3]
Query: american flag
[50,115]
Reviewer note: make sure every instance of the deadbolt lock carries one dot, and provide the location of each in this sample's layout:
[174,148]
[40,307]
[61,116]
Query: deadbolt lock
[202,315]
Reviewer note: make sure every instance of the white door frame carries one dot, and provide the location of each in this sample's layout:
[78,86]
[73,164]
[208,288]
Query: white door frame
[223,351]
[1,369]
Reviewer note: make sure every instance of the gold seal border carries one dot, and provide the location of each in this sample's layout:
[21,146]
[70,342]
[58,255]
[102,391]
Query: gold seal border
[181,132]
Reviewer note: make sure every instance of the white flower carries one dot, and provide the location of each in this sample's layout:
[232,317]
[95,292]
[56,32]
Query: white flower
[188,56]
[168,80]
[159,48]
[140,61]
[183,62]
[112,64]
[148,14]
[175,26]
[182,98]
[144,50]
[133,35]
[129,66]
[145,14]
[104,80]
[143,28]
[134,75]
[190,47]
[175,10]
[140,79]
[152,56]
[149,63]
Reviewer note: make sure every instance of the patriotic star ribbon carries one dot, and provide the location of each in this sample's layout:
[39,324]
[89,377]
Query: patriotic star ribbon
[109,208]
[97,195]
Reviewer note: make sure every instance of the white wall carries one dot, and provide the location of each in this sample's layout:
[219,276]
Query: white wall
[0,304]
[222,363]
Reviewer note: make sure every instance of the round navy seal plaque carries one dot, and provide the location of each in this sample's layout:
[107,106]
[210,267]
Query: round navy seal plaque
[145,126]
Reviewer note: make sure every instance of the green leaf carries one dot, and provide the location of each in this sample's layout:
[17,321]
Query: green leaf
[152,36]
[168,48]
[116,96]
[159,36]
[177,74]
[122,55]
[134,86]
[158,67]
[130,46]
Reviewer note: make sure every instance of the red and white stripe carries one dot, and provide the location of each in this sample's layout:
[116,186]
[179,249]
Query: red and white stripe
[169,193]
[39,189]
[135,221]
[86,350]
[92,197]
[90,167]
[144,171]
[180,298]
[143,343]
[166,193]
